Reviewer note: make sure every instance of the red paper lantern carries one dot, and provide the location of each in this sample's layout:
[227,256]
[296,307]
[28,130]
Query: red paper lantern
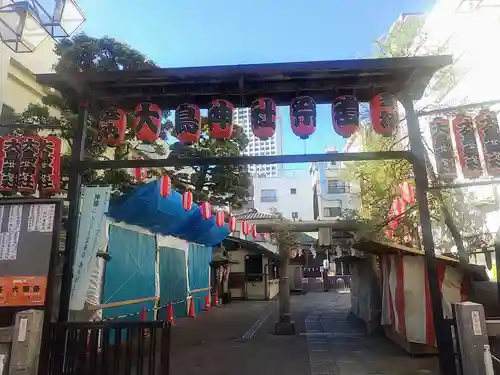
[384,114]
[140,174]
[219,219]
[220,119]
[254,231]
[165,186]
[112,126]
[50,165]
[245,227]
[263,236]
[206,210]
[263,118]
[303,116]
[232,224]
[345,115]
[29,164]
[489,134]
[10,158]
[187,200]
[467,150]
[398,207]
[147,122]
[407,192]
[187,123]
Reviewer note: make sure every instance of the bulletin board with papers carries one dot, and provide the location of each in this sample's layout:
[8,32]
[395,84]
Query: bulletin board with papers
[29,236]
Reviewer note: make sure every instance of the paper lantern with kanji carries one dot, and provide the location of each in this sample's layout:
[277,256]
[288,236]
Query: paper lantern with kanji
[219,218]
[10,153]
[467,150]
[263,118]
[165,186]
[112,126]
[206,210]
[187,200]
[147,122]
[303,116]
[220,119]
[187,123]
[50,166]
[384,114]
[489,135]
[232,224]
[345,115]
[27,181]
[245,227]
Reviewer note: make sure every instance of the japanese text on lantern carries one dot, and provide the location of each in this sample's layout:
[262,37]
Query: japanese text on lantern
[147,122]
[187,123]
[112,126]
[303,116]
[489,134]
[50,166]
[263,118]
[465,139]
[220,119]
[345,115]
[10,156]
[443,149]
[28,168]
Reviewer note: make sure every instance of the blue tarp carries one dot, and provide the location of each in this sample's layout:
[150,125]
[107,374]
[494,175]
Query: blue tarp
[199,258]
[145,207]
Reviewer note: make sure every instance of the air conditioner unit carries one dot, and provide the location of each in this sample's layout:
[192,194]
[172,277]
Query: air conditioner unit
[325,236]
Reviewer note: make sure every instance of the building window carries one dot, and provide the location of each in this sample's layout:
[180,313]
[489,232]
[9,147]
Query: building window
[295,215]
[7,114]
[334,211]
[336,187]
[293,191]
[268,195]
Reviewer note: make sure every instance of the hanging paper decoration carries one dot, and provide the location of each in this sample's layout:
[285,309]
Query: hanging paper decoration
[263,236]
[254,231]
[384,114]
[165,186]
[489,135]
[112,126]
[467,150]
[10,153]
[220,119]
[232,223]
[206,210]
[345,115]
[187,200]
[443,148]
[147,122]
[407,192]
[263,118]
[245,227]
[50,165]
[303,116]
[187,123]
[398,207]
[31,147]
[140,174]
[219,218]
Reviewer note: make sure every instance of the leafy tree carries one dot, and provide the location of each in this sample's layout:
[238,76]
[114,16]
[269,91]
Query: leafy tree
[82,53]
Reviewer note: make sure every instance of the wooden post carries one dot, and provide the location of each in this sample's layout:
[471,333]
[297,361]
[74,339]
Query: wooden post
[285,325]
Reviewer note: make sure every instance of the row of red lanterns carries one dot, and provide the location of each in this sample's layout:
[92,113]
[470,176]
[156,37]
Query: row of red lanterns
[206,210]
[345,116]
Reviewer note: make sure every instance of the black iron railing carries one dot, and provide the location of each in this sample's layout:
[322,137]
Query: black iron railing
[117,348]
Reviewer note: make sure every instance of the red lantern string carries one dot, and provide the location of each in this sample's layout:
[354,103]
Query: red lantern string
[232,224]
[245,227]
[219,219]
[206,210]
[407,192]
[165,186]
[187,200]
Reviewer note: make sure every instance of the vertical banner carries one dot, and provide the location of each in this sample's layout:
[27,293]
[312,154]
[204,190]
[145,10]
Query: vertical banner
[468,153]
[489,134]
[94,206]
[443,148]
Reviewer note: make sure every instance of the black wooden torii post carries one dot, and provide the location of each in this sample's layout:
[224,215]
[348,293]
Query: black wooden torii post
[241,84]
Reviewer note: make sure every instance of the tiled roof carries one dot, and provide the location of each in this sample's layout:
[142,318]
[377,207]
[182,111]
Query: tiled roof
[255,215]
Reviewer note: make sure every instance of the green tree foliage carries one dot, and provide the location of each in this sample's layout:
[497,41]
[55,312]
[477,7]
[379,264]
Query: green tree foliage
[82,53]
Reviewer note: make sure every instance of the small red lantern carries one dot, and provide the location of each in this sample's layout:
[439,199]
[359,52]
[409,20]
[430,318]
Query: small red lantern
[263,118]
[147,122]
[112,126]
[232,224]
[345,114]
[220,119]
[384,114]
[206,210]
[140,174]
[398,207]
[165,186]
[219,218]
[187,200]
[254,231]
[407,192]
[245,227]
[303,116]
[489,135]
[50,165]
[29,164]
[187,123]
[263,236]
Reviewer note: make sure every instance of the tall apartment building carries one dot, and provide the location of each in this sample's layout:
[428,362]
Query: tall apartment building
[256,147]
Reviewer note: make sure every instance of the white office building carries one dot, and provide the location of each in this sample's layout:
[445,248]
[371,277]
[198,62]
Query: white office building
[256,147]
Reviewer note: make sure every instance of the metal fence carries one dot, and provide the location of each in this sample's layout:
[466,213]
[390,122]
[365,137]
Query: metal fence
[100,348]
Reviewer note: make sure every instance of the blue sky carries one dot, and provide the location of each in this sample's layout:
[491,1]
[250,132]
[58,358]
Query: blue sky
[176,33]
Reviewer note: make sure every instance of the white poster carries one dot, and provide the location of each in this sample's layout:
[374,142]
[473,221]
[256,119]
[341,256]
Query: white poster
[9,240]
[94,206]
